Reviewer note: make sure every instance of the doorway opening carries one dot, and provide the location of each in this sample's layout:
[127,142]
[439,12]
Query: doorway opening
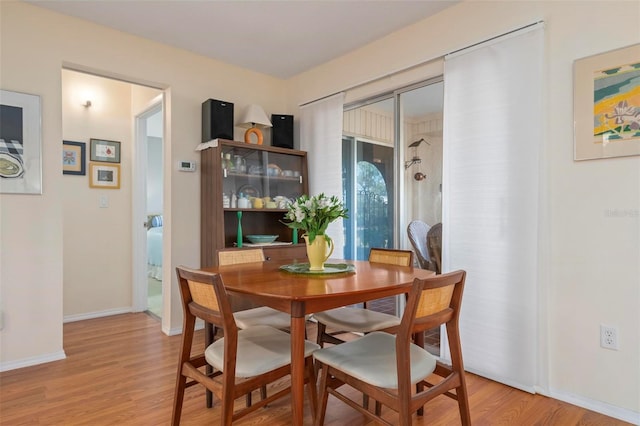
[149,126]
[99,254]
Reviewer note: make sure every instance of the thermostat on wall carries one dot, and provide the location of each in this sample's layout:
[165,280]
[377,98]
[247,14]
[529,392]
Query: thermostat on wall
[187,166]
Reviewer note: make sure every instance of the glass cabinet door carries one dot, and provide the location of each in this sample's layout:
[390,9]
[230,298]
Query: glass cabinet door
[257,186]
[254,179]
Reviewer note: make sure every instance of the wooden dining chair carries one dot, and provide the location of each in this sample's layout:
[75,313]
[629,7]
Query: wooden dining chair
[385,366]
[262,315]
[361,320]
[243,360]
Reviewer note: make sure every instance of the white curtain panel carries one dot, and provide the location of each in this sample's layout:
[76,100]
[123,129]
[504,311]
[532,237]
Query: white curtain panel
[321,137]
[493,130]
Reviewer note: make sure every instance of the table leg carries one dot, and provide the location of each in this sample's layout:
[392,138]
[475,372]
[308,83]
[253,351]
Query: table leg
[297,363]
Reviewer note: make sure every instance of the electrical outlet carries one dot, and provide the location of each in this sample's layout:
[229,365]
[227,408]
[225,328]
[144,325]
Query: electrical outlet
[608,337]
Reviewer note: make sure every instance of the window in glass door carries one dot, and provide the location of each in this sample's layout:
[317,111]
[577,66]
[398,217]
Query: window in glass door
[368,178]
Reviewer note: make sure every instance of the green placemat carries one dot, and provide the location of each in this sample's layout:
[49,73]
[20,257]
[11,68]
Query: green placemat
[329,268]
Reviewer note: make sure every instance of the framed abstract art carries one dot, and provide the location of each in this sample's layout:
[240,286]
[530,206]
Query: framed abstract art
[607,104]
[20,143]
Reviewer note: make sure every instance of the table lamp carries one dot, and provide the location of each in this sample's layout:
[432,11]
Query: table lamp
[254,115]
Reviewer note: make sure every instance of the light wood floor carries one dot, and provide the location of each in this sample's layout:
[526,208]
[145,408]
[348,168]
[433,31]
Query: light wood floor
[120,370]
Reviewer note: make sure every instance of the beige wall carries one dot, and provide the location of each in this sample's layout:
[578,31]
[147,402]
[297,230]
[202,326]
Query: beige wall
[589,270]
[97,242]
[34,46]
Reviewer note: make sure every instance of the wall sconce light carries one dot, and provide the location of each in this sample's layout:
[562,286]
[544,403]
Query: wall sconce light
[87,104]
[254,115]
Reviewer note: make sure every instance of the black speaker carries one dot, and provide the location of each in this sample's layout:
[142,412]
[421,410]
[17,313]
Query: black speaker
[217,120]
[282,131]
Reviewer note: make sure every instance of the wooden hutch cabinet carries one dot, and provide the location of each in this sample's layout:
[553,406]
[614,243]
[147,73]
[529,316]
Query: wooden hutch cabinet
[234,170]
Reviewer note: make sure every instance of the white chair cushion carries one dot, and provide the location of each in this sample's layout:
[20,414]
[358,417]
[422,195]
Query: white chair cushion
[372,359]
[262,316]
[260,349]
[356,319]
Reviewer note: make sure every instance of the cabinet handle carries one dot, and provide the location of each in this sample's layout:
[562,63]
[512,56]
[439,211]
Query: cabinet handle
[300,178]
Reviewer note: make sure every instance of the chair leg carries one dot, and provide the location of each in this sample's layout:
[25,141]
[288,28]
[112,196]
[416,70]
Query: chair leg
[365,404]
[321,331]
[463,403]
[419,340]
[178,398]
[209,336]
[227,400]
[181,379]
[311,383]
[263,393]
[322,398]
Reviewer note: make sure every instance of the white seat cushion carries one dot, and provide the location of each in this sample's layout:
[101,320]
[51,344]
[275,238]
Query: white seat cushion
[356,319]
[260,349]
[372,359]
[262,316]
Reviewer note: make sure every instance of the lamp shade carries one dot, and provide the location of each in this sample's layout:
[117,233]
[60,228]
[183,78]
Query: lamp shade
[254,115]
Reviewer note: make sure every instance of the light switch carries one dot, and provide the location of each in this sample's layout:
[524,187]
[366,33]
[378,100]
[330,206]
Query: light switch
[104,201]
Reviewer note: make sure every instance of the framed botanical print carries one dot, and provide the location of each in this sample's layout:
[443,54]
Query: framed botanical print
[105,151]
[606,104]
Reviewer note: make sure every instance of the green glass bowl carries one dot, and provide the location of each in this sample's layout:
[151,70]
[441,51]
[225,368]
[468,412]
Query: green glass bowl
[262,239]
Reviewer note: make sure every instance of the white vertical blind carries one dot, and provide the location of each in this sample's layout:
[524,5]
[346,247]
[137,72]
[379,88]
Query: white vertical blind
[493,128]
[321,137]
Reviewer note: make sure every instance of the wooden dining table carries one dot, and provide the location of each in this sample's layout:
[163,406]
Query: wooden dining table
[265,283]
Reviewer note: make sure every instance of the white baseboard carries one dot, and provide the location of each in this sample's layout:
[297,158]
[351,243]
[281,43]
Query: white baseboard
[624,414]
[98,314]
[178,330]
[35,360]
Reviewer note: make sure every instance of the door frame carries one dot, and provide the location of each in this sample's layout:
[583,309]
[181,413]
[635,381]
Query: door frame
[139,205]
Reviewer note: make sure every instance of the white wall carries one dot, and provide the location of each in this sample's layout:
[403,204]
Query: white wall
[589,272]
[35,44]
[154,175]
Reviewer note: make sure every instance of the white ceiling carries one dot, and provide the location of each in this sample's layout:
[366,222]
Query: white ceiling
[278,38]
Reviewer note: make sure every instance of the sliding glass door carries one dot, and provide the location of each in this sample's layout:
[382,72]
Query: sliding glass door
[369,177]
[369,191]
[392,171]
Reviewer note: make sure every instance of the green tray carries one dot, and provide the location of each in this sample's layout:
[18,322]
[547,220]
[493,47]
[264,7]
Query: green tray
[329,268]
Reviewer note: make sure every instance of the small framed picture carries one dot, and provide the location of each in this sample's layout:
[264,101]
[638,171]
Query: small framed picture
[105,151]
[106,176]
[74,158]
